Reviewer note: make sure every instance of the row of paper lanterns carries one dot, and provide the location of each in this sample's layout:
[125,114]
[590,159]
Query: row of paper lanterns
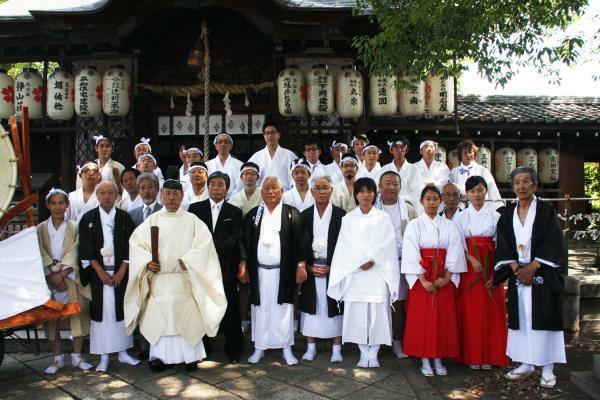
[546,162]
[296,93]
[87,94]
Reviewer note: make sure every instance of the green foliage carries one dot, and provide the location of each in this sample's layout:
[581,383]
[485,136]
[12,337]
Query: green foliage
[592,183]
[14,69]
[417,37]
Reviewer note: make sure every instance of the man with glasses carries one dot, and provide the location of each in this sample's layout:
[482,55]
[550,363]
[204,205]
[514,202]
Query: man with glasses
[450,201]
[274,160]
[249,196]
[225,163]
[311,155]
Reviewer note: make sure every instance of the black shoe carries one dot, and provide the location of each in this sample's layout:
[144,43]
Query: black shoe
[144,354]
[157,365]
[234,359]
[191,366]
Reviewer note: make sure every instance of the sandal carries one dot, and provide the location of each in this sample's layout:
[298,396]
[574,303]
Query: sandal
[441,371]
[52,368]
[513,376]
[548,383]
[427,372]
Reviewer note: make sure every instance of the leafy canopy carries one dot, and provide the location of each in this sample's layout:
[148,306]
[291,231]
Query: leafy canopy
[417,37]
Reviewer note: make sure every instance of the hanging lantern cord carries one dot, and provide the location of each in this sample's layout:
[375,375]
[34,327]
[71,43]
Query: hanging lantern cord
[206,87]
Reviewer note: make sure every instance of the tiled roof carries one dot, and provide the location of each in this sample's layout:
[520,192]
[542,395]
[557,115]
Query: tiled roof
[317,3]
[21,9]
[528,109]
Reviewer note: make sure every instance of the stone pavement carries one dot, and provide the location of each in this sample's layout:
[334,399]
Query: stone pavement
[22,377]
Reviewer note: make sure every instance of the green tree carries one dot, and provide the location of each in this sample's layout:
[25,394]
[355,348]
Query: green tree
[417,37]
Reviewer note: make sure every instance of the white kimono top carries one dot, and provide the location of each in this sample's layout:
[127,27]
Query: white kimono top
[292,198]
[437,173]
[460,174]
[411,181]
[278,166]
[232,168]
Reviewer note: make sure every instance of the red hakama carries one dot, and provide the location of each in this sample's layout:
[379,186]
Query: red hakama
[431,322]
[481,320]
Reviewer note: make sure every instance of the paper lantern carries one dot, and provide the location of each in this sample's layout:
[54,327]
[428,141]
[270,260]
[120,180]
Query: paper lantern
[7,95]
[440,154]
[439,95]
[116,94]
[506,161]
[527,157]
[28,92]
[88,92]
[291,92]
[320,90]
[349,93]
[452,159]
[411,102]
[548,166]
[60,96]
[382,95]
[484,157]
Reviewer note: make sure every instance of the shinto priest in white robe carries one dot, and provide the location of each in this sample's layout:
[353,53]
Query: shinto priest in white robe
[278,166]
[174,308]
[367,294]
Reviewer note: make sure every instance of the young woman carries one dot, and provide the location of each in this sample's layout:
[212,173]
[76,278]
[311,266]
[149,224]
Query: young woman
[58,240]
[432,261]
[481,308]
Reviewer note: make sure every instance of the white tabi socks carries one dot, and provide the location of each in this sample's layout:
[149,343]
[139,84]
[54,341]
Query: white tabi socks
[364,356]
[257,356]
[311,352]
[336,354]
[439,368]
[103,364]
[79,362]
[58,363]
[397,349]
[125,358]
[373,361]
[288,356]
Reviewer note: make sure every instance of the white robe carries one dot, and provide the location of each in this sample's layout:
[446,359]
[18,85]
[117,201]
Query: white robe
[241,200]
[175,308]
[278,166]
[526,345]
[411,182]
[189,197]
[77,206]
[106,173]
[471,222]
[424,232]
[367,294]
[272,323]
[317,169]
[335,172]
[127,205]
[232,168]
[320,325]
[460,174]
[437,173]
[292,198]
[363,172]
[57,239]
[342,197]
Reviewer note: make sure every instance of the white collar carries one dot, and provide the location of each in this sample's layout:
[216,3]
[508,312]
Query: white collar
[212,203]
[110,215]
[151,206]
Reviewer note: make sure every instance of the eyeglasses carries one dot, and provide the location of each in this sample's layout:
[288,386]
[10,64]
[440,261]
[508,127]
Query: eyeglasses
[273,132]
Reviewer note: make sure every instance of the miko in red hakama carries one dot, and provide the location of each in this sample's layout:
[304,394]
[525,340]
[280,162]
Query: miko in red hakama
[431,320]
[481,314]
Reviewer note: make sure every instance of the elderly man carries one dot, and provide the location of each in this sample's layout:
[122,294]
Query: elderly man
[333,169]
[275,243]
[130,198]
[433,171]
[400,212]
[226,163]
[531,254]
[321,318]
[175,291]
[104,250]
[450,201]
[249,196]
[148,187]
[343,192]
[225,223]
[274,160]
[84,198]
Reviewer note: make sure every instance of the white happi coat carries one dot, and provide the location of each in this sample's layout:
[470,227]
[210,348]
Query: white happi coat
[411,182]
[363,172]
[437,173]
[78,207]
[232,168]
[278,166]
[367,294]
[342,197]
[241,200]
[292,198]
[460,174]
[424,232]
[526,345]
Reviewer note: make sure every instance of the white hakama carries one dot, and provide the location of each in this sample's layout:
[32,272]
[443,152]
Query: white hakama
[109,335]
[272,323]
[320,325]
[367,323]
[174,350]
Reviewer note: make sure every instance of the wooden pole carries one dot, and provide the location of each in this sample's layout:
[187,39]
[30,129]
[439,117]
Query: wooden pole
[206,89]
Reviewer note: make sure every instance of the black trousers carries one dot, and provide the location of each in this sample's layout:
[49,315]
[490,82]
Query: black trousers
[231,324]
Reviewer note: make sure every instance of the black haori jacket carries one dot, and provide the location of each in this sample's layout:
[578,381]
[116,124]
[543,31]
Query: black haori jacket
[292,238]
[91,240]
[547,242]
[308,291]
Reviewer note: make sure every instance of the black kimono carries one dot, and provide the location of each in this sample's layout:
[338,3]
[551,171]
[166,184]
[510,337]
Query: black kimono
[547,243]
[308,293]
[91,240]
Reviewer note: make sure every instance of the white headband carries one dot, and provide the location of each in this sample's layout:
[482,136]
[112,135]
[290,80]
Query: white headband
[143,141]
[348,158]
[193,149]
[354,139]
[336,144]
[223,134]
[300,163]
[147,155]
[190,169]
[100,138]
[371,146]
[249,168]
[426,142]
[54,191]
[86,166]
[395,142]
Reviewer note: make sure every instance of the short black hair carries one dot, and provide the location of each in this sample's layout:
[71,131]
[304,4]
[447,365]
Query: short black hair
[428,188]
[310,140]
[219,174]
[134,171]
[473,181]
[365,183]
[402,138]
[272,121]
[394,173]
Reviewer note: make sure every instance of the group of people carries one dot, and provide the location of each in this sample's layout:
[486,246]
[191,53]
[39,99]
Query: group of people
[349,251]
